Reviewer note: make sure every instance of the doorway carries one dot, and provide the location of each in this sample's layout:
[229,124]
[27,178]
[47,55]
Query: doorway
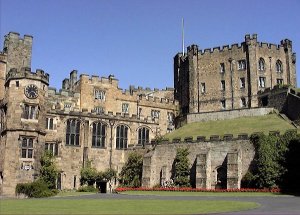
[221,178]
[102,186]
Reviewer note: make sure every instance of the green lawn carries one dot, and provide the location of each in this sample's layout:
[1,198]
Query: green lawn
[270,122]
[223,194]
[100,206]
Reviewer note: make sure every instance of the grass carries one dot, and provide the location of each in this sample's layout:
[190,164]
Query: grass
[270,122]
[117,206]
[221,194]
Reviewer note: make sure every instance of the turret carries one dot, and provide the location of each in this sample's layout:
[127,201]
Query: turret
[18,51]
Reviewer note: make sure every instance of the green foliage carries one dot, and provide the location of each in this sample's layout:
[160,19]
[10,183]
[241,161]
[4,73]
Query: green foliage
[48,171]
[88,175]
[131,173]
[46,183]
[87,189]
[181,170]
[107,175]
[36,189]
[270,159]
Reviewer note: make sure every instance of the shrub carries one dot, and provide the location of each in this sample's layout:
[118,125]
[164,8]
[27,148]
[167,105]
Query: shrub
[181,170]
[87,189]
[131,174]
[36,189]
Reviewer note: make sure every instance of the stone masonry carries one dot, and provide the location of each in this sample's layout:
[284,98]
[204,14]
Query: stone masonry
[92,120]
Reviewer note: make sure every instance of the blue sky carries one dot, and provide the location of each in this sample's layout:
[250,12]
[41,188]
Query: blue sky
[136,40]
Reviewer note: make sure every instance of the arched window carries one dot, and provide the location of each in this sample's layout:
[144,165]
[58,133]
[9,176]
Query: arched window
[261,64]
[73,132]
[279,66]
[99,133]
[143,136]
[121,137]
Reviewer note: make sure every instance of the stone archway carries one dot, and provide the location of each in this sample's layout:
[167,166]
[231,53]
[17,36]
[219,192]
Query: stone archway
[221,177]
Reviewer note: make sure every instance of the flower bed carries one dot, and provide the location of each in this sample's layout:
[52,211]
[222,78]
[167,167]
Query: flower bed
[189,189]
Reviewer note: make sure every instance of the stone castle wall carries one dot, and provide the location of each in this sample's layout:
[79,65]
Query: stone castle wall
[158,163]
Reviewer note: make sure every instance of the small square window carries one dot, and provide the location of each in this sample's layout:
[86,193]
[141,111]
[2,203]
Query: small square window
[125,108]
[241,65]
[223,104]
[223,85]
[222,67]
[279,81]
[203,89]
[242,83]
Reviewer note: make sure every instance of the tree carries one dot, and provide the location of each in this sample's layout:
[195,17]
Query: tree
[181,168]
[131,173]
[48,171]
[88,175]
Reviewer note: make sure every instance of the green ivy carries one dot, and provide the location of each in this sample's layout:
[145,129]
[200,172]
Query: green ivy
[181,168]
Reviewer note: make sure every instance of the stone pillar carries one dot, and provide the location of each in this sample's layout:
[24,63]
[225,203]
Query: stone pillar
[146,180]
[203,170]
[234,170]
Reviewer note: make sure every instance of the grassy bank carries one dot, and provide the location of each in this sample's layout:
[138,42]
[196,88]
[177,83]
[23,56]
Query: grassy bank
[271,122]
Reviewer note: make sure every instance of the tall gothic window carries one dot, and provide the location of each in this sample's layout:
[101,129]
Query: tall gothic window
[143,137]
[73,132]
[121,137]
[99,133]
[279,66]
[261,64]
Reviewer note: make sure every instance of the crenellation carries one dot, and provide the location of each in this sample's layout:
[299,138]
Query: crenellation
[217,49]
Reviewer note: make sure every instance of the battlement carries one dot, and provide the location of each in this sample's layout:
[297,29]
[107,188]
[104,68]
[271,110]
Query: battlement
[25,72]
[215,138]
[249,40]
[16,37]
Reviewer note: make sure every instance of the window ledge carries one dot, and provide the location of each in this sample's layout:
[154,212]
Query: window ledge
[77,146]
[98,147]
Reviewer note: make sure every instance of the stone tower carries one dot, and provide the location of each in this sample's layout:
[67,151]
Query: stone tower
[22,102]
[230,77]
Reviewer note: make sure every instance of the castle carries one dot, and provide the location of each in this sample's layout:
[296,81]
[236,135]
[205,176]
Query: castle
[92,119]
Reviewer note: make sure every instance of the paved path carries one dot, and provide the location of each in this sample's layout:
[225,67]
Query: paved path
[283,205]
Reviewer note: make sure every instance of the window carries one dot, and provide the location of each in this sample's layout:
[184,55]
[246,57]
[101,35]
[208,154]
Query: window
[17,83]
[99,110]
[155,114]
[100,95]
[143,136]
[280,81]
[99,134]
[139,112]
[27,147]
[223,104]
[52,147]
[222,67]
[170,117]
[125,108]
[242,83]
[262,82]
[2,120]
[203,89]
[261,64]
[73,132]
[49,124]
[223,85]
[122,137]
[279,66]
[241,65]
[30,112]
[243,102]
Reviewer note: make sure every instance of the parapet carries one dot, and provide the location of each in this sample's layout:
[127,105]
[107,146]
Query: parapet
[16,37]
[26,73]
